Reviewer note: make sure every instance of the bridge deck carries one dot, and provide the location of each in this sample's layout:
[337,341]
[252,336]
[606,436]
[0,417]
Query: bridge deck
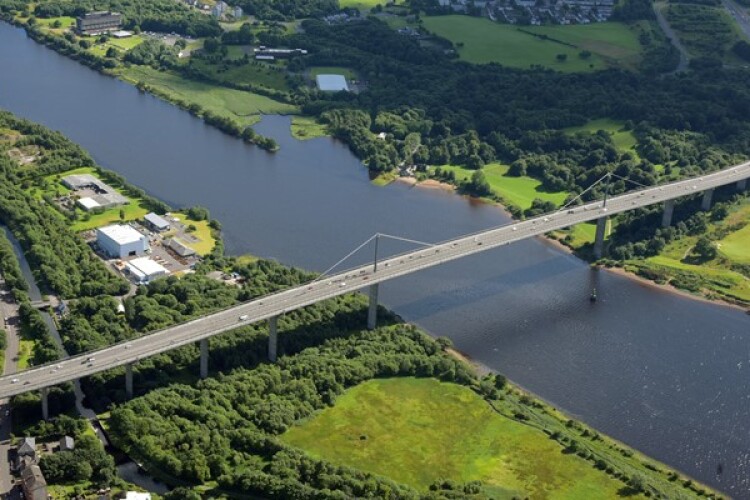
[349,281]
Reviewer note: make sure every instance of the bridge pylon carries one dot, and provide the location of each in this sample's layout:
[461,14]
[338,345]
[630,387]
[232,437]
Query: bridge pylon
[273,338]
[372,310]
[204,358]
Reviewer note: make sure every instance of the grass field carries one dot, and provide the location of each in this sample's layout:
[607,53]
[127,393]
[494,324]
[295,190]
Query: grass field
[485,41]
[624,140]
[518,191]
[256,73]
[736,246]
[418,431]
[65,23]
[305,127]
[348,73]
[202,232]
[705,31]
[361,4]
[243,107]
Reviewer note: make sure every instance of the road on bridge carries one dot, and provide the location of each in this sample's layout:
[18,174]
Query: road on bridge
[323,288]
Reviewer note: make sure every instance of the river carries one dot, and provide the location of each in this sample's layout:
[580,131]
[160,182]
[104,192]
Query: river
[665,374]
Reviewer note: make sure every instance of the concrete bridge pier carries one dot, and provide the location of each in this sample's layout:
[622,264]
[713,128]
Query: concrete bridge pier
[601,228]
[45,402]
[372,311]
[708,195]
[273,338]
[129,380]
[204,358]
[666,218]
[742,185]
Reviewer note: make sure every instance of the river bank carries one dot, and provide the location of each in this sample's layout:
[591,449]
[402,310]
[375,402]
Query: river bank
[563,247]
[647,368]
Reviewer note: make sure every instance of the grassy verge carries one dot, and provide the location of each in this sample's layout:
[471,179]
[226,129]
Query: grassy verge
[244,108]
[25,351]
[306,127]
[480,41]
[419,431]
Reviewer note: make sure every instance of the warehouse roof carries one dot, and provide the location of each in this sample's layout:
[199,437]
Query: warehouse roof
[331,83]
[156,221]
[121,234]
[147,266]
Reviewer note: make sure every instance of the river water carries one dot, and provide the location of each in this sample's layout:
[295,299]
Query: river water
[665,374]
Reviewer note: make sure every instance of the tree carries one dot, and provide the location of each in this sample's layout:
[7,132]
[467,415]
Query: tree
[704,249]
[122,214]
[479,185]
[561,57]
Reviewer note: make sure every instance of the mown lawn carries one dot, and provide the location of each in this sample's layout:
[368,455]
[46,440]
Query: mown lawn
[243,107]
[484,41]
[518,191]
[418,431]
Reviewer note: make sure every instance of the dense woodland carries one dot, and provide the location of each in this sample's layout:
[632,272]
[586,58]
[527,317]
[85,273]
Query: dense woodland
[472,114]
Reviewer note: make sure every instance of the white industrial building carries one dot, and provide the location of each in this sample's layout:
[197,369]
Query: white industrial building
[332,83]
[144,270]
[121,241]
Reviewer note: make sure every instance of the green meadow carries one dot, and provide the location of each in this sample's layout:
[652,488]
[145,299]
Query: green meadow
[243,107]
[480,40]
[418,431]
[517,191]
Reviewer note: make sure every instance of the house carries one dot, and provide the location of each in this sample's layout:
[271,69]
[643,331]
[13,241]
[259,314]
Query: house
[27,448]
[156,223]
[67,443]
[121,241]
[94,23]
[219,9]
[237,12]
[33,483]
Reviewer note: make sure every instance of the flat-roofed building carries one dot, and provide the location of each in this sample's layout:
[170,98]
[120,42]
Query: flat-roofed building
[94,23]
[121,241]
[145,270]
[332,83]
[156,222]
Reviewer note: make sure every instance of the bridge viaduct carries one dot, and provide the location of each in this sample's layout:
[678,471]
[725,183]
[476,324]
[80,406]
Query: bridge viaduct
[270,307]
